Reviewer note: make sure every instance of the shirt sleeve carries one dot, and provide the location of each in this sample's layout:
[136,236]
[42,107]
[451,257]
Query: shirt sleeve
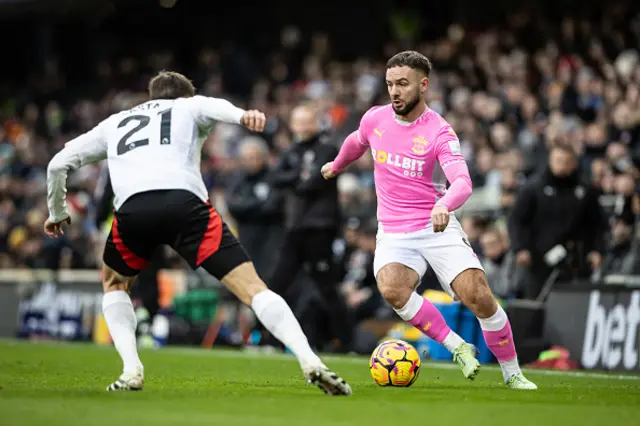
[448,149]
[87,148]
[363,129]
[206,111]
[455,169]
[353,147]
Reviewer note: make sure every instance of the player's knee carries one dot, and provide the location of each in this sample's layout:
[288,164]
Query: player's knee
[244,282]
[396,297]
[480,299]
[113,281]
[253,289]
[393,286]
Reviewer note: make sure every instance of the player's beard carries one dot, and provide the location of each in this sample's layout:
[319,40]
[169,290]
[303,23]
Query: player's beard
[408,106]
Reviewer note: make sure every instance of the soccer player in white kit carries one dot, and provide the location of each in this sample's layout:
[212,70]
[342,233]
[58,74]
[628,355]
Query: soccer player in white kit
[415,152]
[153,154]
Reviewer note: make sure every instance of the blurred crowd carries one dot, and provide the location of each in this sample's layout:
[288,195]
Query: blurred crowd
[513,93]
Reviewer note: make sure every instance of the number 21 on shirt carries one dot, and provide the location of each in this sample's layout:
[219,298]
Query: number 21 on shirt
[141,122]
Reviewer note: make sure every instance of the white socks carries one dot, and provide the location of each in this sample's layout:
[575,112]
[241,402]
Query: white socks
[452,341]
[510,368]
[121,320]
[274,313]
[495,322]
[410,310]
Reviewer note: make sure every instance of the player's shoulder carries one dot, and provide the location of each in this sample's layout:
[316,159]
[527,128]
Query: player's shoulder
[440,125]
[193,102]
[376,112]
[143,108]
[436,120]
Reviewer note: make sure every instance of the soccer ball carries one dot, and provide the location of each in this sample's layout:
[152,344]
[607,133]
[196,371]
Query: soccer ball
[394,363]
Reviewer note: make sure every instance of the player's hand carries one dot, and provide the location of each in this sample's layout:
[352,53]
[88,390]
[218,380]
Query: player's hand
[439,218]
[53,229]
[523,258]
[327,171]
[254,120]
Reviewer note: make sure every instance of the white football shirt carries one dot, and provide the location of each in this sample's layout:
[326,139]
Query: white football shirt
[153,146]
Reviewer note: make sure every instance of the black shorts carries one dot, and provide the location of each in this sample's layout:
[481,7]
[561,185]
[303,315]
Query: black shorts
[177,218]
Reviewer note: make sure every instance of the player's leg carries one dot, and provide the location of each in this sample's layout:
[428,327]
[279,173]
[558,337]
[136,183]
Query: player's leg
[207,242]
[462,276]
[283,275]
[472,289]
[121,320]
[398,267]
[121,266]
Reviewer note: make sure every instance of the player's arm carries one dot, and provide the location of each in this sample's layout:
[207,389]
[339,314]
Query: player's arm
[208,110]
[352,149]
[455,169]
[85,149]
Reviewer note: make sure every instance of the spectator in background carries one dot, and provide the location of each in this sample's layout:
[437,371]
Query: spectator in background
[359,284]
[557,219]
[622,256]
[345,245]
[312,216]
[256,205]
[499,263]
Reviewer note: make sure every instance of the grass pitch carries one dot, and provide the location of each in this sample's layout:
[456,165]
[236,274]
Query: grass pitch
[63,384]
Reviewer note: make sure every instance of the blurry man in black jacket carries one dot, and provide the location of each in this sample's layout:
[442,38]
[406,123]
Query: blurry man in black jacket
[557,222]
[256,206]
[312,216]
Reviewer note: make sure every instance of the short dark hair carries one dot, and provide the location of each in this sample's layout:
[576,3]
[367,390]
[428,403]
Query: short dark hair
[412,59]
[170,85]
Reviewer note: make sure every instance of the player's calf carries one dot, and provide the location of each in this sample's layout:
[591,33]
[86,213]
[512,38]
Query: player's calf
[122,323]
[396,283]
[472,289]
[277,317]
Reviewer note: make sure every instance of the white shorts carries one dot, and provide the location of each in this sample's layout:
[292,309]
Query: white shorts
[448,253]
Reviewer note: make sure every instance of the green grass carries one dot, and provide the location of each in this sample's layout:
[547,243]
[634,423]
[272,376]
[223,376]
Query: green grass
[63,384]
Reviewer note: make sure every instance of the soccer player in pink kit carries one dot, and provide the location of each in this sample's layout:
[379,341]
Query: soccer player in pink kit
[415,152]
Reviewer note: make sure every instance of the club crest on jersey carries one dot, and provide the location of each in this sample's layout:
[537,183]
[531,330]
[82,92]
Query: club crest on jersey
[419,145]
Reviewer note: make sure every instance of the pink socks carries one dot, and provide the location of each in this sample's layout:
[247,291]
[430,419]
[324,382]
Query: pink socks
[498,335]
[421,313]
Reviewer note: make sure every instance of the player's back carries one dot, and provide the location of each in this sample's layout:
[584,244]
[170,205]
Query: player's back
[157,145]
